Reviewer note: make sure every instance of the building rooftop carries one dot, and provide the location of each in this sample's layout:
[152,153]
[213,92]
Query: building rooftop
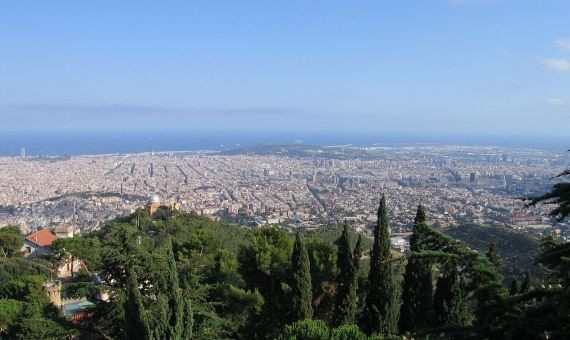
[43,238]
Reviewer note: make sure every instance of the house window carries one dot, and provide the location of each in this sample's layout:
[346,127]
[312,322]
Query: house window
[28,250]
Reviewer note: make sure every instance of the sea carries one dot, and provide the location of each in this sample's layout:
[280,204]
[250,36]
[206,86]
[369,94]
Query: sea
[69,143]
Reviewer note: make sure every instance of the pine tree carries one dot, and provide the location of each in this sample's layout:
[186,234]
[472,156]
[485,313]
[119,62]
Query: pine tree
[136,322]
[450,305]
[559,195]
[381,306]
[493,255]
[175,301]
[301,289]
[514,287]
[345,304]
[417,292]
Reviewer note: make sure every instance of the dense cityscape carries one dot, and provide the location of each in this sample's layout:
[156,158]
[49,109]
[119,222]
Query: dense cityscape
[294,186]
[285,170]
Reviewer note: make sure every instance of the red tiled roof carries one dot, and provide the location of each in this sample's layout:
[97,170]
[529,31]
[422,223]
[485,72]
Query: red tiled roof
[43,238]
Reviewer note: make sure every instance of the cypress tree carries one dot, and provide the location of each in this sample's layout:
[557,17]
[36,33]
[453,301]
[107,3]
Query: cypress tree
[421,215]
[419,222]
[493,255]
[345,304]
[381,306]
[161,317]
[175,301]
[450,305]
[356,255]
[417,295]
[514,287]
[136,322]
[188,323]
[526,285]
[301,288]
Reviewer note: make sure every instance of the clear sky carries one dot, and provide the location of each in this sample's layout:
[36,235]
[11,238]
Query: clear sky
[442,66]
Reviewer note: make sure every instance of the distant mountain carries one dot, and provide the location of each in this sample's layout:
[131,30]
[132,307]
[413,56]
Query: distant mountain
[517,249]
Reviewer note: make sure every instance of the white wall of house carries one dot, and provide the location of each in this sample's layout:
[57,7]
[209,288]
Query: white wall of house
[32,250]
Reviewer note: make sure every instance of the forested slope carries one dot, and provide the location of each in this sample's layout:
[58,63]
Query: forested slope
[518,250]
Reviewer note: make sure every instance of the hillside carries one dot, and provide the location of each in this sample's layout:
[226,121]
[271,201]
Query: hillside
[517,250]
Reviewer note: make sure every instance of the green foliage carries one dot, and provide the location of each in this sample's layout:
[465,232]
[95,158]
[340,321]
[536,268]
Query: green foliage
[416,310]
[243,307]
[514,289]
[301,287]
[542,312]
[176,303]
[11,241]
[199,279]
[345,305]
[381,310]
[160,316]
[420,228]
[136,319]
[10,310]
[331,234]
[347,332]
[86,249]
[357,254]
[38,318]
[265,264]
[18,276]
[450,301]
[516,250]
[188,320]
[483,284]
[306,330]
[121,250]
[555,258]
[323,258]
[318,330]
[526,285]
[37,326]
[493,255]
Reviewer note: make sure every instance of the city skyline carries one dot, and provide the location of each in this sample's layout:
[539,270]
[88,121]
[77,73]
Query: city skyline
[298,185]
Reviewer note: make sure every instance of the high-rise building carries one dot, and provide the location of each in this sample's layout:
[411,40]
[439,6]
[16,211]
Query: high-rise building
[22,152]
[473,177]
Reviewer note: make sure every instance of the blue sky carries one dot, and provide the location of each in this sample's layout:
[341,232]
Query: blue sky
[442,66]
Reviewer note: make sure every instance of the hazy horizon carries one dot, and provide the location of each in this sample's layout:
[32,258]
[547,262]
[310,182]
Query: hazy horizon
[106,142]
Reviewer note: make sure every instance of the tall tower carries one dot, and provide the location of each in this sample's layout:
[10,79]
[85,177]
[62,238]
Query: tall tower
[23,152]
